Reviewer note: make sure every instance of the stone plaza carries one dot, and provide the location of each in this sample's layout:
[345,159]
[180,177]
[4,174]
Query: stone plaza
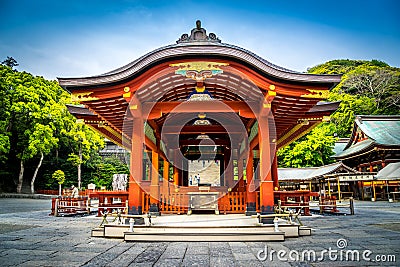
[30,237]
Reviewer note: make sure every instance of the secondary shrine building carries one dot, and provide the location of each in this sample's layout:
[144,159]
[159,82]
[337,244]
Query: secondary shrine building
[202,121]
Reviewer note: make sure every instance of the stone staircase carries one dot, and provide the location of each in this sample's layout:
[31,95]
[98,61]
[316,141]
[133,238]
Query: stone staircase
[199,230]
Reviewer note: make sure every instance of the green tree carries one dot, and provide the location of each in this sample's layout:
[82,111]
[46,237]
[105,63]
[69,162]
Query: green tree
[380,84]
[342,66]
[33,120]
[314,149]
[367,88]
[40,141]
[350,106]
[83,142]
[10,62]
[5,103]
[59,176]
[31,110]
[38,134]
[102,170]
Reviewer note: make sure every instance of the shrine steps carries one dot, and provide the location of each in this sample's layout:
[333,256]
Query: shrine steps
[201,233]
[204,234]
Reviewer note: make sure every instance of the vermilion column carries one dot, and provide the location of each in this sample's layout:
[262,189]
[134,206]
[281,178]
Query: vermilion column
[250,188]
[176,176]
[266,183]
[266,161]
[136,166]
[154,185]
[274,170]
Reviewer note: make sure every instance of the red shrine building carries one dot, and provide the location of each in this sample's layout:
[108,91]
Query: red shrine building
[202,121]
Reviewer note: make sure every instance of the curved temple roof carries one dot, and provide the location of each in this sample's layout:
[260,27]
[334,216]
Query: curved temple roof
[203,47]
[379,131]
[246,79]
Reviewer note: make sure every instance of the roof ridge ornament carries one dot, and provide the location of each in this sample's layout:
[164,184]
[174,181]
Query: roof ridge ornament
[198,34]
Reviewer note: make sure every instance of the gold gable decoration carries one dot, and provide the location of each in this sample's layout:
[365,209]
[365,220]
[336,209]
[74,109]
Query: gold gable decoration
[323,94]
[198,70]
[82,97]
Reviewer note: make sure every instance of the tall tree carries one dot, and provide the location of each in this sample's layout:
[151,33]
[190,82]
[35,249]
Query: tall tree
[41,141]
[5,103]
[83,142]
[367,88]
[33,112]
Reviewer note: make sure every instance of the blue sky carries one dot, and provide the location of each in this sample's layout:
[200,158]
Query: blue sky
[77,38]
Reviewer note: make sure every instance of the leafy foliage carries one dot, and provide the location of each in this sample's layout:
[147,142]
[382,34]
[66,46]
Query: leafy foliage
[314,149]
[367,88]
[59,176]
[103,171]
[341,66]
[36,127]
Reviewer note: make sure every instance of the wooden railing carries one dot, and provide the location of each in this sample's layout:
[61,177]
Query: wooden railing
[110,201]
[69,205]
[177,203]
[327,203]
[145,202]
[67,192]
[47,192]
[232,202]
[174,203]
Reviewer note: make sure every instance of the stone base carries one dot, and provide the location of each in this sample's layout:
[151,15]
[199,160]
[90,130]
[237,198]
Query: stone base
[204,234]
[115,231]
[304,231]
[250,213]
[138,221]
[98,232]
[251,209]
[267,221]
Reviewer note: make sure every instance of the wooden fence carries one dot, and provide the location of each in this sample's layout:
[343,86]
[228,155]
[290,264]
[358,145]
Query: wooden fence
[174,203]
[66,192]
[232,202]
[145,202]
[69,205]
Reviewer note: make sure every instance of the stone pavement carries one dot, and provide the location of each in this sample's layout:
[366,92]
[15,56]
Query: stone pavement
[29,237]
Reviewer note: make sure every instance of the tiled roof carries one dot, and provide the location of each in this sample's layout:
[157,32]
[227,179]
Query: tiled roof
[305,174]
[390,172]
[340,145]
[197,49]
[356,148]
[291,174]
[380,130]
[384,130]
